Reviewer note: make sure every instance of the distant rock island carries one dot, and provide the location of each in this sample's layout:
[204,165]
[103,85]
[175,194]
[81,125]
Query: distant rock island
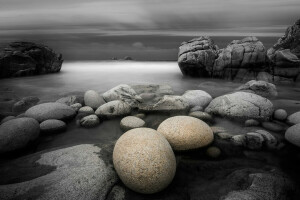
[125,58]
[27,58]
[244,59]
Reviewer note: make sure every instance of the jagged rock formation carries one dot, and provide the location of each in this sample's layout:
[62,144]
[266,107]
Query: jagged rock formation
[196,57]
[26,58]
[284,56]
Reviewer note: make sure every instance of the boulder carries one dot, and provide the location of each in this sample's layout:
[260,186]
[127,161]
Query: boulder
[86,110]
[144,160]
[26,58]
[241,106]
[131,122]
[197,56]
[124,93]
[280,114]
[284,56]
[89,121]
[70,100]
[294,118]
[18,133]
[46,111]
[113,109]
[292,135]
[240,59]
[185,133]
[197,98]
[24,104]
[168,103]
[53,126]
[76,106]
[78,172]
[93,99]
[261,88]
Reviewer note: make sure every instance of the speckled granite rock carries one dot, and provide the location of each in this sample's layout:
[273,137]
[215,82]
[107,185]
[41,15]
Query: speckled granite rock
[113,109]
[261,88]
[86,110]
[131,122]
[89,121]
[197,98]
[144,160]
[184,132]
[53,126]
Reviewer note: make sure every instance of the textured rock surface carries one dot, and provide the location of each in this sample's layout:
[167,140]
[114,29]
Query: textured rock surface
[184,133]
[261,88]
[26,58]
[280,114]
[294,118]
[144,160]
[197,98]
[202,116]
[46,111]
[93,99]
[254,140]
[76,106]
[17,133]
[269,140]
[284,56]
[70,100]
[240,57]
[113,109]
[292,135]
[53,126]
[89,121]
[241,105]
[122,92]
[196,57]
[131,122]
[78,172]
[24,104]
[86,110]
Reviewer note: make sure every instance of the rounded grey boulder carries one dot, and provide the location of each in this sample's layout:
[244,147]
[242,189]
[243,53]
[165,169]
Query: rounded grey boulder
[86,110]
[46,111]
[294,118]
[131,122]
[52,126]
[292,135]
[93,99]
[280,114]
[17,133]
[197,98]
[113,109]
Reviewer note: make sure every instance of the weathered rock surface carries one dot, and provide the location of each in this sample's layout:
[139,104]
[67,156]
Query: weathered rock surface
[254,140]
[113,109]
[17,133]
[93,99]
[144,160]
[78,172]
[53,126]
[184,132]
[196,57]
[24,104]
[131,122]
[284,56]
[76,106]
[240,59]
[197,98]
[292,135]
[261,88]
[89,121]
[26,58]
[241,106]
[46,111]
[70,100]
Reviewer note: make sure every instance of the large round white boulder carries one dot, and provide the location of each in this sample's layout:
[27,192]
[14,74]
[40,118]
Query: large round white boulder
[144,160]
[184,132]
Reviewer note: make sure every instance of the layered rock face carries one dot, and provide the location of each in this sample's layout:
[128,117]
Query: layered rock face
[196,57]
[284,56]
[240,58]
[26,58]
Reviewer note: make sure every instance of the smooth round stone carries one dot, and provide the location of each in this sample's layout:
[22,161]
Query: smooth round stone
[76,106]
[86,110]
[17,133]
[131,122]
[89,121]
[184,132]
[93,99]
[280,114]
[197,98]
[294,118]
[202,116]
[6,119]
[46,111]
[213,152]
[272,126]
[144,160]
[251,122]
[53,126]
[140,115]
[292,135]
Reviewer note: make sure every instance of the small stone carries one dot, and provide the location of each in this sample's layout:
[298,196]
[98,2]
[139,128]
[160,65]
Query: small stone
[196,108]
[93,99]
[76,106]
[270,140]
[251,122]
[90,121]
[140,115]
[280,114]
[53,126]
[238,140]
[131,122]
[253,141]
[272,126]
[294,118]
[292,135]
[202,116]
[87,110]
[213,152]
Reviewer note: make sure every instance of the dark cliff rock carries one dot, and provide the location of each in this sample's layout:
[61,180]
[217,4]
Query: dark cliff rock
[26,58]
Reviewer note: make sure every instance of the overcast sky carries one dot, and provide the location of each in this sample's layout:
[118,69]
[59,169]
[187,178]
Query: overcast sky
[99,29]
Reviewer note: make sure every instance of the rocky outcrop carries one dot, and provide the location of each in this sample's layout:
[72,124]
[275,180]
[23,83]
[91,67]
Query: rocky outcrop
[261,88]
[284,56]
[26,58]
[240,57]
[196,57]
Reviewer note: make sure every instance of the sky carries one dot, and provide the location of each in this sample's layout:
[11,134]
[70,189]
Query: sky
[142,29]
